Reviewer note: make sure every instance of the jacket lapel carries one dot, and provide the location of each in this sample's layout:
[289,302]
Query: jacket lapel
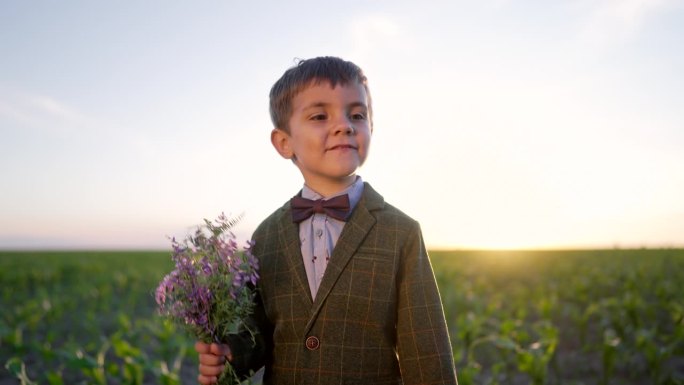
[353,234]
[289,236]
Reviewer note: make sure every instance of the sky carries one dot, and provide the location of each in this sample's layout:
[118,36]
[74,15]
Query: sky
[497,123]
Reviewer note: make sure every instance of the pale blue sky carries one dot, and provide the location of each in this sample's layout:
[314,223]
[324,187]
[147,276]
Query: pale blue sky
[497,123]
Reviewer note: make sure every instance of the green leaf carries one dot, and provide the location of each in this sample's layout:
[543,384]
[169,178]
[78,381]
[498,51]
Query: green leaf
[14,365]
[54,378]
[123,349]
[124,322]
[18,369]
[505,343]
[84,362]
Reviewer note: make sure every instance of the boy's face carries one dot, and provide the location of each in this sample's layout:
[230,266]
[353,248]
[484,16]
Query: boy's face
[329,135]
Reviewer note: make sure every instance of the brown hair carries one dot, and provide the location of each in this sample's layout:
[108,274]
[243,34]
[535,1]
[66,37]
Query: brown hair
[326,68]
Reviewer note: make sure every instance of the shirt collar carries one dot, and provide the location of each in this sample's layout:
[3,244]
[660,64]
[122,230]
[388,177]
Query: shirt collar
[355,191]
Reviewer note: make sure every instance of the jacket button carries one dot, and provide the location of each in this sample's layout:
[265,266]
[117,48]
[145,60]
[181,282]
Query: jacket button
[312,343]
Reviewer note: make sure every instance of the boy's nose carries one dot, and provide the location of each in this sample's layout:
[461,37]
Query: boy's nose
[349,130]
[344,127]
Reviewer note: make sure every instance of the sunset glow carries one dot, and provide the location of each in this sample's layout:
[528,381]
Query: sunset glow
[497,124]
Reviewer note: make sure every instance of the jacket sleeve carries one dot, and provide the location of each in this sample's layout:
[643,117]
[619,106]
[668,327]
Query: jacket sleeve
[423,345]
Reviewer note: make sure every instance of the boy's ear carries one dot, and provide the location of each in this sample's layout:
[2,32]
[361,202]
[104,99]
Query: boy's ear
[281,142]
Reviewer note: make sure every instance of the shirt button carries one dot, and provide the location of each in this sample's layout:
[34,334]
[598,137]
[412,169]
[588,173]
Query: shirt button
[319,232]
[312,343]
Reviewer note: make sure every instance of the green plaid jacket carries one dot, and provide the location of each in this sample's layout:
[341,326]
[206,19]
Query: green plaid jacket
[377,317]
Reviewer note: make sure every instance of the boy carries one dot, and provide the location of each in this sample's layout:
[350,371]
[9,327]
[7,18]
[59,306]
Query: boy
[347,294]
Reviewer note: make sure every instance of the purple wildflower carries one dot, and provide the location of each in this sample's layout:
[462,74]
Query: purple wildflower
[213,283]
[160,295]
[206,266]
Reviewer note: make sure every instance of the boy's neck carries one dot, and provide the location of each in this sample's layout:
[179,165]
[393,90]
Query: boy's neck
[330,189]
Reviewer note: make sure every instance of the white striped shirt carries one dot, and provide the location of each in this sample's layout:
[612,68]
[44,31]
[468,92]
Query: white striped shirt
[319,233]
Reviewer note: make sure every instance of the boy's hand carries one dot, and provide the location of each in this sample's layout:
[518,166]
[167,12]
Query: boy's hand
[211,361]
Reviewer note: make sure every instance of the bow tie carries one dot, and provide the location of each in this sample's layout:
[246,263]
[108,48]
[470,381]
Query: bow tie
[336,207]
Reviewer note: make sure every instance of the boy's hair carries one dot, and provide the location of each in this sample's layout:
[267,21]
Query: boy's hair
[326,68]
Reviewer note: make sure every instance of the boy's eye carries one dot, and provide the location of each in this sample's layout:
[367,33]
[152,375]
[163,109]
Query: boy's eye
[318,117]
[358,116]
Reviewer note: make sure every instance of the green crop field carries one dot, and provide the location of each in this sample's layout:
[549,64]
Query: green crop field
[543,317]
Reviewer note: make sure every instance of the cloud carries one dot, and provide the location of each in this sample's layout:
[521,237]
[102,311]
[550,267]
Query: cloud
[613,21]
[372,34]
[35,116]
[41,112]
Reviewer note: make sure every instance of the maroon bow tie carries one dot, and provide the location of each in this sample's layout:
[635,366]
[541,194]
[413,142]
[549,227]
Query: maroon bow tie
[336,207]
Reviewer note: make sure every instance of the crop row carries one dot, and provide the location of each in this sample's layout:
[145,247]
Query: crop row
[557,317]
[572,317]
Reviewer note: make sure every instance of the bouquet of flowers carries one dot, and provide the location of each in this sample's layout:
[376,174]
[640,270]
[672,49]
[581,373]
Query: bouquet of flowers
[210,292]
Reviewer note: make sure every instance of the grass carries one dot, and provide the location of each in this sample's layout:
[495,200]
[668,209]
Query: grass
[515,317]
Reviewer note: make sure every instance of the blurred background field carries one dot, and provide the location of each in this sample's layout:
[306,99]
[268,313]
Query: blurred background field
[515,317]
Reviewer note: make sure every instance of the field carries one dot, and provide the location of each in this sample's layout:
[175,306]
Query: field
[544,317]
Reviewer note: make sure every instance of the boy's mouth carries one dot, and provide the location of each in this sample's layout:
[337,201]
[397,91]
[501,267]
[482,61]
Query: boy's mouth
[342,147]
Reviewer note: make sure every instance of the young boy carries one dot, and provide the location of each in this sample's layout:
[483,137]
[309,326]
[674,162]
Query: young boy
[347,294]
